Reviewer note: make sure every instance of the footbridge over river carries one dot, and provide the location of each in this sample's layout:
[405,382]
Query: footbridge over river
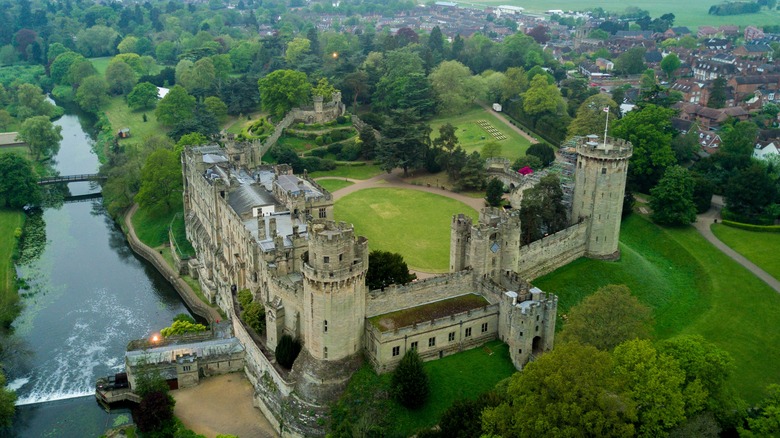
[71,178]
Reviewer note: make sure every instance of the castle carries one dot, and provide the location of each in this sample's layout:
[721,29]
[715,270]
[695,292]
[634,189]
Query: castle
[264,229]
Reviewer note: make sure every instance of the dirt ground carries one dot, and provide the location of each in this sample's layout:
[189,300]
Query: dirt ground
[221,405]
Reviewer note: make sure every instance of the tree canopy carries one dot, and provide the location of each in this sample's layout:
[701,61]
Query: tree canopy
[283,90]
[160,180]
[19,184]
[42,137]
[386,268]
[177,106]
[409,382]
[672,199]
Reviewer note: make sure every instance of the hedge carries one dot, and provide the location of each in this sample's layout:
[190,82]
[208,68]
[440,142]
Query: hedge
[751,227]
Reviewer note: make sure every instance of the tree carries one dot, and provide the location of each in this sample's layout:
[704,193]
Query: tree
[409,383]
[650,132]
[591,117]
[216,107]
[737,143]
[766,421]
[686,145]
[490,149]
[531,161]
[161,183]
[515,83]
[181,327]
[155,412]
[19,185]
[386,268]
[543,151]
[703,189]
[541,210]
[670,64]
[143,96]
[282,90]
[455,87]
[41,136]
[177,106]
[92,94]
[541,97]
[717,93]
[654,382]
[80,70]
[323,89]
[570,391]
[296,49]
[672,198]
[608,318]
[631,62]
[404,142]
[120,77]
[472,174]
[6,120]
[494,192]
[749,193]
[7,403]
[30,101]
[539,34]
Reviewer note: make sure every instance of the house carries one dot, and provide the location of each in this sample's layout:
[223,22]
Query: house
[709,118]
[10,139]
[764,150]
[753,33]
[677,32]
[706,32]
[746,85]
[692,91]
[653,57]
[605,64]
[753,51]
[634,34]
[717,43]
[729,30]
[705,70]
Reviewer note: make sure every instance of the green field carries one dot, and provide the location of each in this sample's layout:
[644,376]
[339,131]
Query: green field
[759,247]
[351,171]
[101,64]
[332,185]
[691,14]
[10,220]
[693,289]
[410,222]
[472,137]
[121,116]
[462,375]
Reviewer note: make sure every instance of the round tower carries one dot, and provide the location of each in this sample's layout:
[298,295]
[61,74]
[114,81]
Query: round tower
[599,187]
[334,291]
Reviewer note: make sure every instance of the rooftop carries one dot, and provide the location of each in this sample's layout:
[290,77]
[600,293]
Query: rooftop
[428,312]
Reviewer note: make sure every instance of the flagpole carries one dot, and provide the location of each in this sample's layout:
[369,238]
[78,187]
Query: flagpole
[606,125]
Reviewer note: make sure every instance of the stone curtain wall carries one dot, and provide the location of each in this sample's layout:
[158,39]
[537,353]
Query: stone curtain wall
[552,252]
[399,297]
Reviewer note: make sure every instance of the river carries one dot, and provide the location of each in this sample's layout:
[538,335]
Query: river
[88,294]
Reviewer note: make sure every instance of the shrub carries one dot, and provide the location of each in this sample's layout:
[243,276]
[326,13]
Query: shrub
[182,327]
[254,316]
[341,120]
[335,149]
[350,152]
[245,298]
[320,153]
[319,140]
[542,151]
[184,317]
[409,384]
[287,351]
[751,227]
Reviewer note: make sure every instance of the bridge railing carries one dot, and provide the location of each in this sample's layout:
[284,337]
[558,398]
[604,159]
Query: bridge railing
[71,178]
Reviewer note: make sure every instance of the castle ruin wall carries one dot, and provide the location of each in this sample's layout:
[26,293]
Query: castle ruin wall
[552,252]
[414,294]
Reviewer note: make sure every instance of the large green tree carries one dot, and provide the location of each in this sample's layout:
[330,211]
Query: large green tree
[455,88]
[161,182]
[650,131]
[41,136]
[404,142]
[591,117]
[541,97]
[282,90]
[608,318]
[409,382]
[672,199]
[177,106]
[569,392]
[19,185]
[143,96]
[120,77]
[7,403]
[386,268]
[670,64]
[92,94]
[541,210]
[749,193]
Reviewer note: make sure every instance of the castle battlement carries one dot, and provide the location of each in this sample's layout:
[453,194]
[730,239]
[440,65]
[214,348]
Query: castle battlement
[594,146]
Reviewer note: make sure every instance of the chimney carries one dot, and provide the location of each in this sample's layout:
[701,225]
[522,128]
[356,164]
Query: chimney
[272,226]
[261,228]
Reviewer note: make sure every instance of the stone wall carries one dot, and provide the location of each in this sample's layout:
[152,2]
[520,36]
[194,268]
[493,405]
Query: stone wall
[398,297]
[552,252]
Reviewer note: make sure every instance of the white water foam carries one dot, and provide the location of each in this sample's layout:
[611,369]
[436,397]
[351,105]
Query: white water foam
[17,383]
[43,398]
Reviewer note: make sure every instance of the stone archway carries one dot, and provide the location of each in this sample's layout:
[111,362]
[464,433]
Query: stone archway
[536,345]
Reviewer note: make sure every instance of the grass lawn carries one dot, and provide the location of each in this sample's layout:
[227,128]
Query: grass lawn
[412,223]
[297,144]
[332,185]
[462,375]
[121,116]
[693,13]
[693,289]
[758,247]
[152,226]
[235,125]
[351,171]
[10,220]
[472,137]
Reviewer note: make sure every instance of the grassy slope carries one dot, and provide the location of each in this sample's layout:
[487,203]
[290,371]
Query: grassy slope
[692,13]
[152,226]
[10,220]
[760,248]
[332,185]
[463,375]
[121,116]
[409,222]
[470,134]
[693,289]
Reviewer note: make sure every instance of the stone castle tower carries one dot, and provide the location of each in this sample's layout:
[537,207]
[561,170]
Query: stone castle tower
[334,291]
[600,181]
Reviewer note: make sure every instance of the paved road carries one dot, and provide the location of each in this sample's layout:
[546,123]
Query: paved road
[702,225]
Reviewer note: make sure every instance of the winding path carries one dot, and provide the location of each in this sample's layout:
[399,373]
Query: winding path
[702,225]
[503,119]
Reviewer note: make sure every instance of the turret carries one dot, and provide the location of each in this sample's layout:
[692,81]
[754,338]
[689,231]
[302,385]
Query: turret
[600,184]
[460,232]
[334,299]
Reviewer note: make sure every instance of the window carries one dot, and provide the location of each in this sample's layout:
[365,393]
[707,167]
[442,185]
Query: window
[451,336]
[396,351]
[341,257]
[520,351]
[432,342]
[537,328]
[187,367]
[468,332]
[325,326]
[326,259]
[325,352]
[603,170]
[484,327]
[414,345]
[323,214]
